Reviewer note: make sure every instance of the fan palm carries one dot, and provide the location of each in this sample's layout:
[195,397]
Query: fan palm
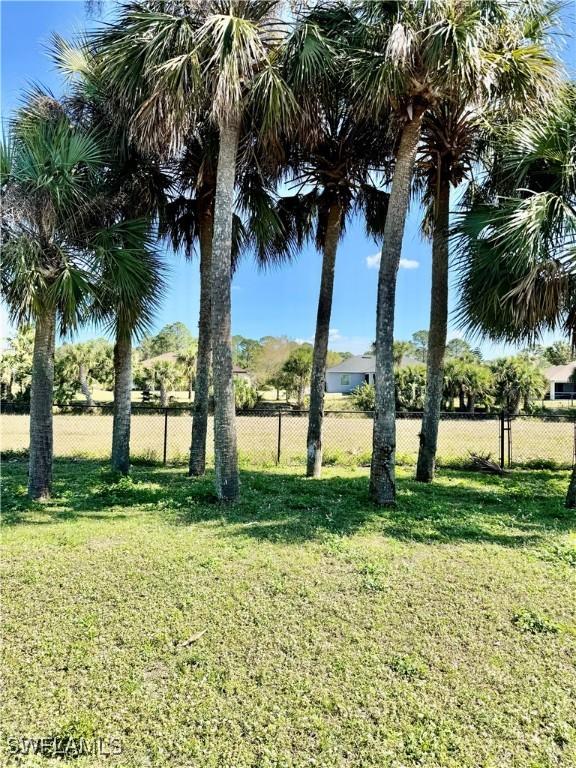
[333,155]
[219,58]
[447,152]
[187,360]
[411,55]
[133,193]
[49,174]
[517,243]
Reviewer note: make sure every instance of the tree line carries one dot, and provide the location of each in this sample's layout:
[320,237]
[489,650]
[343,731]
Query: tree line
[188,121]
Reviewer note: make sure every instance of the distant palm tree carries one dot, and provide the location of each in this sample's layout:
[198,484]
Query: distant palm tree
[187,360]
[409,56]
[217,58]
[49,175]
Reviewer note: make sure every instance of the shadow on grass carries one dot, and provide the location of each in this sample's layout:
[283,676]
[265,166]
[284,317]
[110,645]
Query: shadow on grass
[276,506]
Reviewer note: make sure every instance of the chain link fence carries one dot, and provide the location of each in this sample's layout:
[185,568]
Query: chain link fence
[270,436]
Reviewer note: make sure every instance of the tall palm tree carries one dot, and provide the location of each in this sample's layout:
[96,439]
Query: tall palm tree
[133,193]
[517,243]
[49,175]
[410,55]
[217,57]
[445,159]
[333,154]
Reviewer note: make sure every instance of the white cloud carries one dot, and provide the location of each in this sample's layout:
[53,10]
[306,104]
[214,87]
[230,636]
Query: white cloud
[373,262]
[334,334]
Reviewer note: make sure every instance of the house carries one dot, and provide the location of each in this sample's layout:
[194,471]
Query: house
[561,388]
[353,371]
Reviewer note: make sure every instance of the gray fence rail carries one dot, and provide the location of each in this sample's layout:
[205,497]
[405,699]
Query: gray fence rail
[278,435]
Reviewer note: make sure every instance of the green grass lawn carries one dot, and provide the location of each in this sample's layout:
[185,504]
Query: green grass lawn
[301,627]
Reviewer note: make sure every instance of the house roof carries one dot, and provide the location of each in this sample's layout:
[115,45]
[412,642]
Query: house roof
[560,373]
[356,364]
[365,364]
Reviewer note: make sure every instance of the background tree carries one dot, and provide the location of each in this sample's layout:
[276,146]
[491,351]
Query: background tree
[296,371]
[16,364]
[85,364]
[187,361]
[166,376]
[517,382]
[558,353]
[174,337]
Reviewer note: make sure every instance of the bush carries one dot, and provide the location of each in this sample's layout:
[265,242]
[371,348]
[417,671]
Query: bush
[245,395]
[364,397]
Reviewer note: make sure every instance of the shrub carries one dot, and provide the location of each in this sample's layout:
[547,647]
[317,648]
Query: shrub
[245,395]
[364,397]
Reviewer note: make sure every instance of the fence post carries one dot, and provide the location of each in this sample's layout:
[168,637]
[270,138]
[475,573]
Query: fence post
[279,437]
[165,457]
[502,427]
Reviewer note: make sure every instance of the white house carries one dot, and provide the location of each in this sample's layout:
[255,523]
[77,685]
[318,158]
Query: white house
[561,388]
[350,373]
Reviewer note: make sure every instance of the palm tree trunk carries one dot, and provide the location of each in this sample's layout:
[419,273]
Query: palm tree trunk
[122,404]
[436,336]
[84,387]
[461,399]
[197,465]
[570,502]
[190,388]
[225,448]
[382,470]
[318,379]
[163,394]
[41,432]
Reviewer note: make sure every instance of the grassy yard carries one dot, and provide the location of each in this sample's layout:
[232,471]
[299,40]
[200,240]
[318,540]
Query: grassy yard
[347,439]
[301,627]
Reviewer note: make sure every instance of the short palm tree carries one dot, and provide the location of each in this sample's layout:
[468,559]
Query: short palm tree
[409,56]
[219,58]
[187,360]
[130,290]
[50,172]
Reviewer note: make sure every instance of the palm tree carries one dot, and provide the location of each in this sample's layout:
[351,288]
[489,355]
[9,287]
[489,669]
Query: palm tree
[220,58]
[445,159]
[133,193]
[332,155]
[413,55]
[49,175]
[129,293]
[517,246]
[187,360]
[166,376]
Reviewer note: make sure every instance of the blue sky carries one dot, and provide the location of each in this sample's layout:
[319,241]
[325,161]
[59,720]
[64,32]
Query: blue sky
[276,302]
